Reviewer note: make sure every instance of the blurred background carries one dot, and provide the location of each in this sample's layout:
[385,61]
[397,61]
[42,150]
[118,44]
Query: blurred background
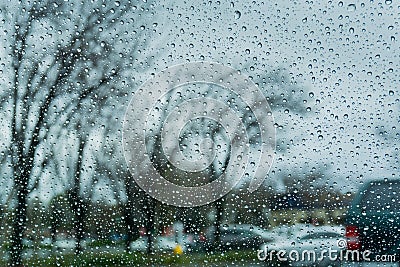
[329,72]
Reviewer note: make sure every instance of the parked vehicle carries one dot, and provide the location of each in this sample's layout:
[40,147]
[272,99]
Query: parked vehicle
[161,243]
[237,237]
[167,243]
[307,246]
[373,220]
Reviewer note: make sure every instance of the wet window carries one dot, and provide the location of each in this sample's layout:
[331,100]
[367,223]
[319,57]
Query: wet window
[382,197]
[199,133]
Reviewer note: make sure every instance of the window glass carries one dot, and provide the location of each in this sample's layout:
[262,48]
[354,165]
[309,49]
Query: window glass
[385,197]
[204,133]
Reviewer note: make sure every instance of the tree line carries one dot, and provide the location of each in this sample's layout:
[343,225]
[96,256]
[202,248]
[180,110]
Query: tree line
[68,69]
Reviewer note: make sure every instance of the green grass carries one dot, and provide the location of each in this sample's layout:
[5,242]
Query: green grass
[142,259]
[104,242]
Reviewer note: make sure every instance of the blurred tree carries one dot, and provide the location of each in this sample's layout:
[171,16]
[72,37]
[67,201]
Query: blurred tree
[59,54]
[111,166]
[60,216]
[77,202]
[281,93]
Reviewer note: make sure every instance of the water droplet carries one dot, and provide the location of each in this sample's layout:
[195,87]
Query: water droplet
[351,7]
[237,14]
[391,92]
[388,2]
[351,30]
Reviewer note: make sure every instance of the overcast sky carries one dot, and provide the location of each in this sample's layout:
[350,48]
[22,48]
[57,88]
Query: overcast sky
[345,53]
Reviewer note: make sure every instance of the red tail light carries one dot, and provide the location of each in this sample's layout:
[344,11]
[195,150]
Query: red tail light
[353,237]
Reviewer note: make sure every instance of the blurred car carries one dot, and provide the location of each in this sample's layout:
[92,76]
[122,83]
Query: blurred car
[46,241]
[193,242]
[116,237]
[161,243]
[288,231]
[373,220]
[307,246]
[26,242]
[65,243]
[237,237]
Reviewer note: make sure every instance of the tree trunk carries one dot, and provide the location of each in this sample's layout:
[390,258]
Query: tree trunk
[19,222]
[150,209]
[77,203]
[127,219]
[132,230]
[54,225]
[79,224]
[219,208]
